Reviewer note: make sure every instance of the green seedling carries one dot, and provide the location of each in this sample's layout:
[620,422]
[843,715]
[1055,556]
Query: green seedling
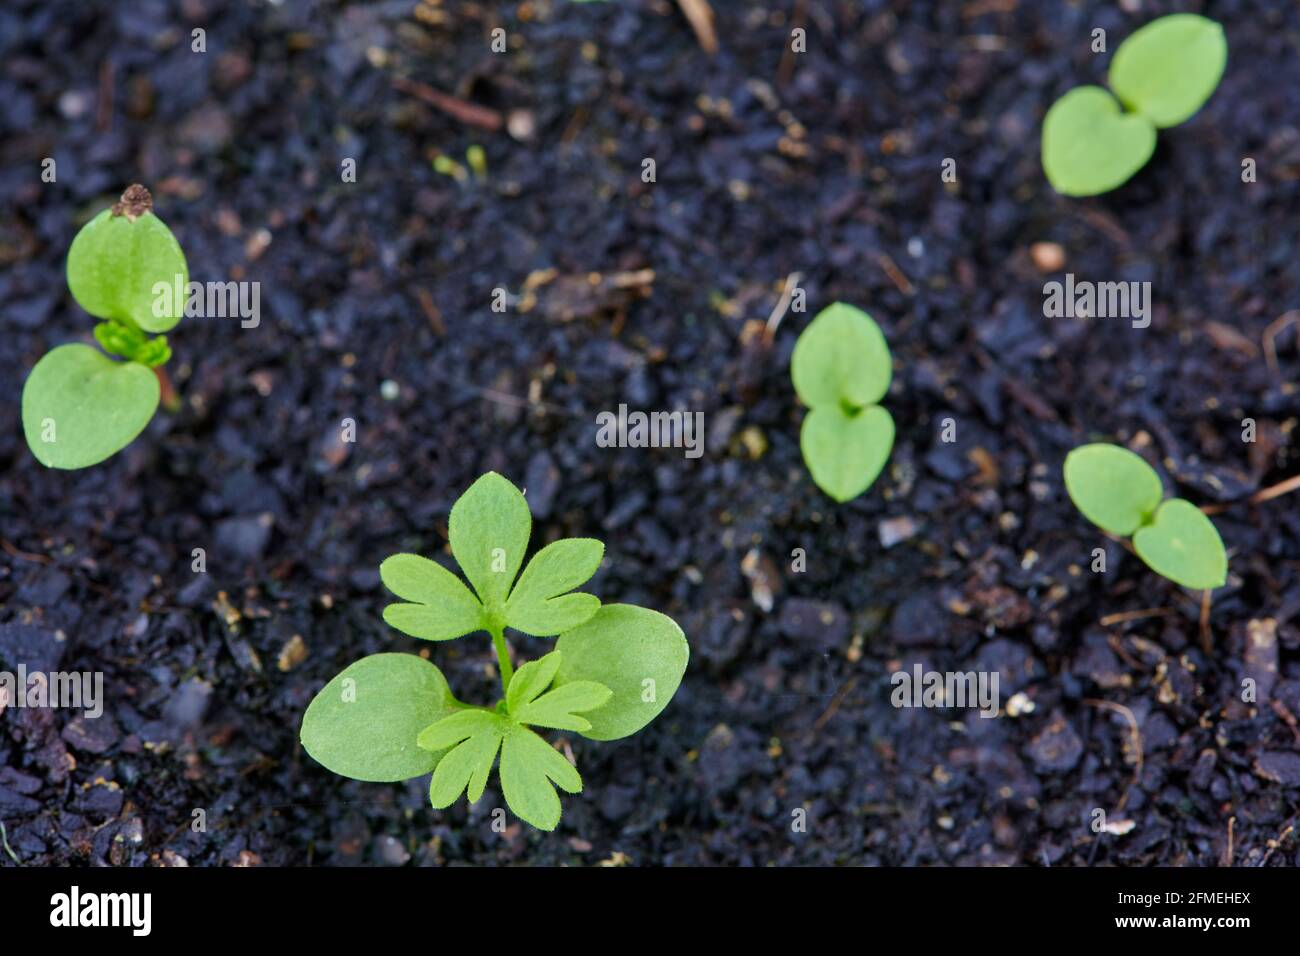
[79,406]
[841,368]
[1121,494]
[1162,75]
[613,669]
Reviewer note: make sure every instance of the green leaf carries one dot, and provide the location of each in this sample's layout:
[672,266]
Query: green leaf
[442,606]
[530,680]
[365,723]
[528,766]
[639,654]
[118,266]
[559,709]
[845,453]
[1089,146]
[841,359]
[1114,488]
[1183,545]
[538,605]
[489,528]
[1170,67]
[81,407]
[474,736]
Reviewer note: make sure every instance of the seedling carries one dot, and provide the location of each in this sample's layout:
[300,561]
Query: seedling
[841,369]
[1120,493]
[1162,74]
[80,406]
[391,717]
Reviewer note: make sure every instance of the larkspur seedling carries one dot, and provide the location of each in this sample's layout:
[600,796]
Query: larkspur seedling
[1163,74]
[391,717]
[1120,493]
[79,406]
[841,368]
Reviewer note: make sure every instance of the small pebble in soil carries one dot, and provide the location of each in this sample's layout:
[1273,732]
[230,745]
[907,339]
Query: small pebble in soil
[1047,257]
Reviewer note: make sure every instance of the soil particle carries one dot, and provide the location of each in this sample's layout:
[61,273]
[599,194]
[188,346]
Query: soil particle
[1055,748]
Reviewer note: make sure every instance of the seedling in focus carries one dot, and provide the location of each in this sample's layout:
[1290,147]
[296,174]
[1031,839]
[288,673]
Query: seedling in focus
[1120,493]
[841,368]
[79,406]
[390,717]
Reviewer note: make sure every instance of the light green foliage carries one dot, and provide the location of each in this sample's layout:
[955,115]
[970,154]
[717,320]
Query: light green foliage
[841,368]
[1120,493]
[530,767]
[1170,67]
[639,654]
[1090,146]
[539,604]
[78,406]
[612,671]
[489,529]
[1163,73]
[1114,488]
[1182,544]
[364,723]
[115,263]
[441,607]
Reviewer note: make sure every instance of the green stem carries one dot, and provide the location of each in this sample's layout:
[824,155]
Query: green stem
[503,657]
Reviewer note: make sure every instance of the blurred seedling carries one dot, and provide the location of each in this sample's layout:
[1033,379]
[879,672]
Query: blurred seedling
[1121,494]
[391,717]
[79,406]
[841,368]
[1162,74]
[475,159]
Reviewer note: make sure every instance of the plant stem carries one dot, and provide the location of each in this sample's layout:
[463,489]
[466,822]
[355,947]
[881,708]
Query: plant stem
[170,400]
[503,657]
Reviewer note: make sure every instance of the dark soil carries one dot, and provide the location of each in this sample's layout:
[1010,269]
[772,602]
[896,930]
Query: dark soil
[827,165]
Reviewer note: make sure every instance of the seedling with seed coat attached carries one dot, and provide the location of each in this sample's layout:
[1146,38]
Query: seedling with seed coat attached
[79,406]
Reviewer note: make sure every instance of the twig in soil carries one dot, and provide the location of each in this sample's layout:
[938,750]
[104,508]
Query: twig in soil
[1274,844]
[783,306]
[1124,617]
[466,112]
[505,398]
[14,552]
[1288,718]
[1276,328]
[901,282]
[1136,742]
[431,311]
[835,704]
[1227,855]
[700,16]
[1264,494]
[4,836]
[798,21]
[170,400]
